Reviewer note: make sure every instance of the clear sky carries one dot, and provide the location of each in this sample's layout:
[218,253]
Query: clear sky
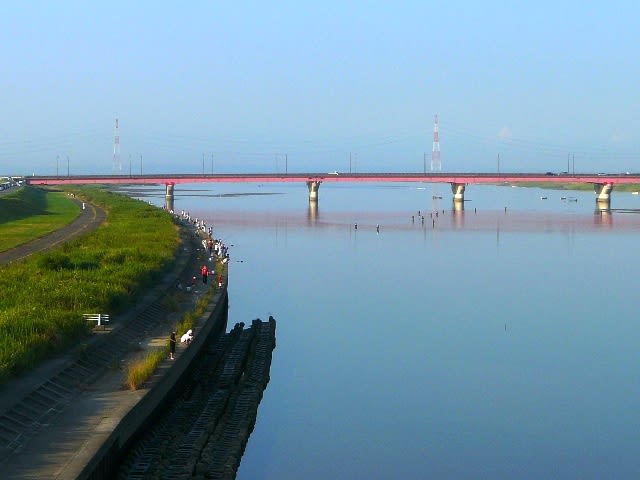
[242,84]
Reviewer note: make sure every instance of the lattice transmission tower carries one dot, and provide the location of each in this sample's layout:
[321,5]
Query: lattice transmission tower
[436,165]
[117,164]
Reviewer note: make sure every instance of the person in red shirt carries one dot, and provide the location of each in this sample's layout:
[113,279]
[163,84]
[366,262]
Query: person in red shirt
[205,273]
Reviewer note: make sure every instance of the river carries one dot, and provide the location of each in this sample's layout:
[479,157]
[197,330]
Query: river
[498,342]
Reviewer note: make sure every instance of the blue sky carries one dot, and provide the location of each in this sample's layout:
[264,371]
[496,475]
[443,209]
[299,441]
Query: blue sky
[241,84]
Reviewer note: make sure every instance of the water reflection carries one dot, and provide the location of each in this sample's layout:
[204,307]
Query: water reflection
[480,220]
[458,218]
[471,337]
[312,213]
[603,217]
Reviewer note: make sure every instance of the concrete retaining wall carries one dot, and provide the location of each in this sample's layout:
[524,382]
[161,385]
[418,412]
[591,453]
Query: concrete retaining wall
[211,325]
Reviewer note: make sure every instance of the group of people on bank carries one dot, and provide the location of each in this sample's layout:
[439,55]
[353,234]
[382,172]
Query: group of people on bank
[217,250]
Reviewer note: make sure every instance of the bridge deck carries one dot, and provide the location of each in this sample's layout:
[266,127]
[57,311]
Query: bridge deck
[442,177]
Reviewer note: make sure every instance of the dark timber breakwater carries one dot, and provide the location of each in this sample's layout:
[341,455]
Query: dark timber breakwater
[203,433]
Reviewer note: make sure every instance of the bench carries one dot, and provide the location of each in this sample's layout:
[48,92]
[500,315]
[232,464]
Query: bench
[100,318]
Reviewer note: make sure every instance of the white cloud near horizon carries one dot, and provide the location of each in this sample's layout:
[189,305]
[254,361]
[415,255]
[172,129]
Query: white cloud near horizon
[504,133]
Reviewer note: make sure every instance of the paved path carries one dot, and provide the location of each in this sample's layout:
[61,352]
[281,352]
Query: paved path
[56,442]
[89,219]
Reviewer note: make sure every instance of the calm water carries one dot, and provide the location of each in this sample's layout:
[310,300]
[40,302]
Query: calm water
[493,344]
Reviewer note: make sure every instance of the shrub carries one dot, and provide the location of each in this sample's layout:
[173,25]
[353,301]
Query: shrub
[139,371]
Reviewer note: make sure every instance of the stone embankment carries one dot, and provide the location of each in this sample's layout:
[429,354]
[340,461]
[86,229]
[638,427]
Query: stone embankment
[203,433]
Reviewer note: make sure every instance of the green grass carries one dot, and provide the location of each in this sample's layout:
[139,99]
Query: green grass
[626,187]
[43,298]
[30,213]
[140,370]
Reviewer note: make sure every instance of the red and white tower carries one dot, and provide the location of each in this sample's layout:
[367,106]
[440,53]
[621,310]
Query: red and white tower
[117,165]
[436,165]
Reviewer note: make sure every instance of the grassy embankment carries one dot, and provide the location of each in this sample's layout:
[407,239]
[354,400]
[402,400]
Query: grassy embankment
[140,370]
[43,298]
[30,213]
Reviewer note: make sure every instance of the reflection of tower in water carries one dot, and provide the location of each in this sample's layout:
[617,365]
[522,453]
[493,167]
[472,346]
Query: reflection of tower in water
[312,213]
[436,165]
[457,214]
[602,216]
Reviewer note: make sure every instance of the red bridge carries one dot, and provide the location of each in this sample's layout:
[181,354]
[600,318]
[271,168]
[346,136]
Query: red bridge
[603,183]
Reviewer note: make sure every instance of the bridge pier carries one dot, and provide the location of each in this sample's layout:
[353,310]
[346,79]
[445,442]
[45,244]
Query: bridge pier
[313,186]
[168,197]
[603,195]
[458,191]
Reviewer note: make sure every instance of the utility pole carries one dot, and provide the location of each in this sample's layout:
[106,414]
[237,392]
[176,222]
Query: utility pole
[68,166]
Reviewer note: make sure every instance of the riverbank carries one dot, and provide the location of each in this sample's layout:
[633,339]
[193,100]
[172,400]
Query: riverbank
[620,187]
[45,295]
[54,419]
[28,213]
[204,432]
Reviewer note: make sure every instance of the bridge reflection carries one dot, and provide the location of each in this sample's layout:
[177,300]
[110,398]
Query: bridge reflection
[450,220]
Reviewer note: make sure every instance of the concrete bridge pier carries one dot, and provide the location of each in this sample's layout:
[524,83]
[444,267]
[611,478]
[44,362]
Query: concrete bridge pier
[458,191]
[603,195]
[168,197]
[313,186]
